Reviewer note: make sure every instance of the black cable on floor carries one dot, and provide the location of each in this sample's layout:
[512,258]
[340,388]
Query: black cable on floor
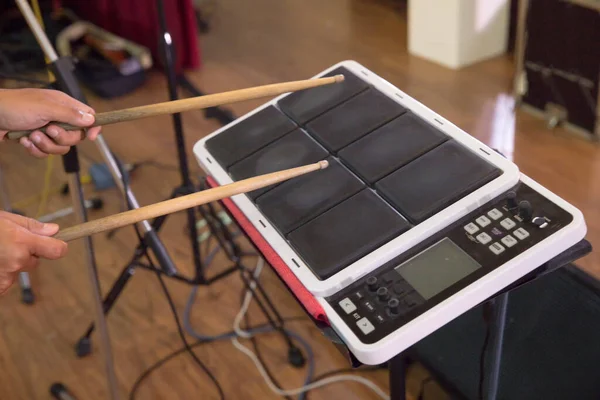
[186,344]
[177,352]
[182,335]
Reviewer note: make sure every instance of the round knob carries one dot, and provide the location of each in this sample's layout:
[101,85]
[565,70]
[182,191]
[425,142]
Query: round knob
[525,210]
[394,306]
[383,294]
[372,283]
[511,200]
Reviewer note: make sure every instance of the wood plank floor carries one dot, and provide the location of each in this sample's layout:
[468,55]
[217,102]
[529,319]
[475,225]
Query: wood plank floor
[251,43]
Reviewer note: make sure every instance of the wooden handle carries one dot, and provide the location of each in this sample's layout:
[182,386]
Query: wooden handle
[195,103]
[184,202]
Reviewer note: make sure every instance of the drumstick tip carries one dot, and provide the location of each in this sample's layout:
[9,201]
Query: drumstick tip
[339,78]
[323,164]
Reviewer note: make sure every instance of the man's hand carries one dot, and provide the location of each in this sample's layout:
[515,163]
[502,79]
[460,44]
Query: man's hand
[23,109]
[23,241]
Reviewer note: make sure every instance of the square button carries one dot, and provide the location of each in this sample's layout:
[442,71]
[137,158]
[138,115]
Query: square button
[509,241]
[471,228]
[484,238]
[365,326]
[497,248]
[497,232]
[494,214]
[347,305]
[521,234]
[508,224]
[401,288]
[483,221]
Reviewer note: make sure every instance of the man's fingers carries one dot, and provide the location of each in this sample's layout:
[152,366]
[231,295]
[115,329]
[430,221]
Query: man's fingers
[93,133]
[32,225]
[6,281]
[46,145]
[63,137]
[46,247]
[31,264]
[31,149]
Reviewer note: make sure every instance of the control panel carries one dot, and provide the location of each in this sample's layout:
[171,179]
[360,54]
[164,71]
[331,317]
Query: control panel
[447,262]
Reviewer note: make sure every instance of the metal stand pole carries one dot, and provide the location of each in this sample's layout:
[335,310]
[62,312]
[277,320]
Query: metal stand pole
[498,324]
[397,371]
[62,69]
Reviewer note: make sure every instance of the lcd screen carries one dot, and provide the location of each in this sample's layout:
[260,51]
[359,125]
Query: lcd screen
[437,268]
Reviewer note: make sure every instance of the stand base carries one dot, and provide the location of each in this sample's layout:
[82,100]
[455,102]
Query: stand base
[60,392]
[27,296]
[83,347]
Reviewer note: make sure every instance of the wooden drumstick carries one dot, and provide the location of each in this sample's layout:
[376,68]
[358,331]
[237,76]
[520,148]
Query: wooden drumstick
[184,202]
[195,103]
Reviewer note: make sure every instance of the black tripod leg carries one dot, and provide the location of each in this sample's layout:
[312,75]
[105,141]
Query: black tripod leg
[84,344]
[500,305]
[397,370]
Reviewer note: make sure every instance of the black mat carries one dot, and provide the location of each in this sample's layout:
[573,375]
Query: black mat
[346,233]
[435,180]
[249,135]
[391,146]
[353,119]
[307,104]
[551,348]
[293,150]
[299,200]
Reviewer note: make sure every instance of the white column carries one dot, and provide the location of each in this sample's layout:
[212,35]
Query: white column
[457,33]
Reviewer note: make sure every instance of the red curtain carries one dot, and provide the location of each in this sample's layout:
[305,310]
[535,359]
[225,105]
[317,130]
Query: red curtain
[137,20]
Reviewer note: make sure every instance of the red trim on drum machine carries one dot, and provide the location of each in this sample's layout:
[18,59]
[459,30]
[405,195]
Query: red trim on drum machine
[309,302]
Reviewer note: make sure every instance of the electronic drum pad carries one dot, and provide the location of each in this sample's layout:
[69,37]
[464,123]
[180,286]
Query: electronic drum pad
[413,223]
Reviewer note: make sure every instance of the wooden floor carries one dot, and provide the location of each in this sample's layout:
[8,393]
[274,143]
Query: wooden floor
[251,43]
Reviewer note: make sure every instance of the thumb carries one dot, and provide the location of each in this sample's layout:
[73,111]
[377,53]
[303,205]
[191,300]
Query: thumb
[32,225]
[46,247]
